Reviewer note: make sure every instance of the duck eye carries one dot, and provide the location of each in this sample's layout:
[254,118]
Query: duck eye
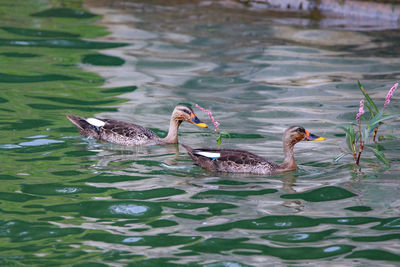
[186,111]
[300,130]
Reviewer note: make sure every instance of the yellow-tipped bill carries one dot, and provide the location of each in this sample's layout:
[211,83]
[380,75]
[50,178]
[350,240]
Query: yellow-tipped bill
[196,121]
[318,138]
[313,137]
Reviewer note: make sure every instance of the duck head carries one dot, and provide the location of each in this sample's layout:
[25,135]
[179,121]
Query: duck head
[295,134]
[184,113]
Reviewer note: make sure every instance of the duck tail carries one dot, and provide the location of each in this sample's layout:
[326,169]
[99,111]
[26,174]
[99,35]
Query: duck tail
[192,155]
[84,128]
[202,158]
[188,148]
[79,122]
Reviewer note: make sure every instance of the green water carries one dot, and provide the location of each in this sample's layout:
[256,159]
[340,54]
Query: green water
[71,201]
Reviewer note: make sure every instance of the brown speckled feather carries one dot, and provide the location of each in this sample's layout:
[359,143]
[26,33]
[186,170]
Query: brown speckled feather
[116,131]
[126,133]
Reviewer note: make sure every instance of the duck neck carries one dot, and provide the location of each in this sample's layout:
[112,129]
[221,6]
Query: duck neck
[172,137]
[288,163]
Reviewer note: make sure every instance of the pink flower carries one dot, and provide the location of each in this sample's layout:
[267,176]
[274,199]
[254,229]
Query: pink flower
[360,110]
[390,94]
[216,123]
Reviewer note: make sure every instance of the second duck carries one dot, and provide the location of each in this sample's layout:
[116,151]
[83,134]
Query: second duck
[241,161]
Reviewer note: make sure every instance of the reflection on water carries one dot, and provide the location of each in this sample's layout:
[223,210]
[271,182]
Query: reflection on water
[74,201]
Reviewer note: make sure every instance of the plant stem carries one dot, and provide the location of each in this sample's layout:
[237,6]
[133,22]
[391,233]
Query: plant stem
[375,133]
[218,137]
[354,152]
[361,147]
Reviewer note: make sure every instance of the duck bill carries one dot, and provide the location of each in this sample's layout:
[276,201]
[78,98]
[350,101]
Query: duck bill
[313,137]
[196,121]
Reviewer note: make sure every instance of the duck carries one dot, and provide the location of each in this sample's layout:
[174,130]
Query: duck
[241,161]
[129,134]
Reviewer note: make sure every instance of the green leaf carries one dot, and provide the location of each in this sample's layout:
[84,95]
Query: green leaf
[225,134]
[371,113]
[348,142]
[350,139]
[366,134]
[368,98]
[379,155]
[219,139]
[336,160]
[348,128]
[379,117]
[386,137]
[350,136]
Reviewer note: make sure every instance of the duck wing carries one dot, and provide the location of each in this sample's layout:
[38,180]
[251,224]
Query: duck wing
[231,160]
[126,133]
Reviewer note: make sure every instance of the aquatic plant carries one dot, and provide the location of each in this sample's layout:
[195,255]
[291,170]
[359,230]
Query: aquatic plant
[357,134]
[216,124]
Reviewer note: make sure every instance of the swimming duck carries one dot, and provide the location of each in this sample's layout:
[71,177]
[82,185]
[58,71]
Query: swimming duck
[241,161]
[130,134]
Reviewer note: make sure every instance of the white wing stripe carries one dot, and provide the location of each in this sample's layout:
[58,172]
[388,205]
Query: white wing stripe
[212,155]
[95,122]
